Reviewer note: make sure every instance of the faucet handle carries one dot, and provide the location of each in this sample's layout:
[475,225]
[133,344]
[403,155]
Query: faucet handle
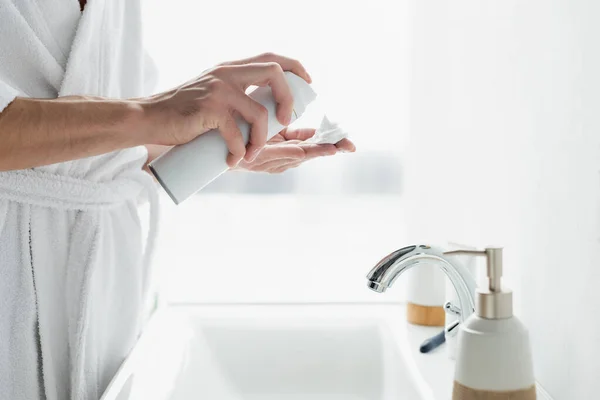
[451,309]
[454,310]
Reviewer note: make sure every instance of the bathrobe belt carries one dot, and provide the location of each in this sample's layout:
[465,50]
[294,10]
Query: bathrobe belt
[64,192]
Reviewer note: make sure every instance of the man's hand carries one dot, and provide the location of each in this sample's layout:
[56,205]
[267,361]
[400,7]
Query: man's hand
[212,100]
[288,150]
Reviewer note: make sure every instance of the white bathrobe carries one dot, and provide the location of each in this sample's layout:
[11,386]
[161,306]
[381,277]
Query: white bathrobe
[73,268]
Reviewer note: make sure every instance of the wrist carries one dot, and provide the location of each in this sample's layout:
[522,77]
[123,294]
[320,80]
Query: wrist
[152,119]
[137,127]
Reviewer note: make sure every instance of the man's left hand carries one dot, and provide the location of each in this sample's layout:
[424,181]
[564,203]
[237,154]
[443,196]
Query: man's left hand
[288,149]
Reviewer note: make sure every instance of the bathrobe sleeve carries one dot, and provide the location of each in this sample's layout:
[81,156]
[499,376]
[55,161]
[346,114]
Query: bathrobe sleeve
[7,95]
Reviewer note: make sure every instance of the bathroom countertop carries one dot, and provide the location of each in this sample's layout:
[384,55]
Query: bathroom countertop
[154,362]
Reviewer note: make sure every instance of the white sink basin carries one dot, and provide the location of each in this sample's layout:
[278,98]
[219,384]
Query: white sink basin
[278,353]
[232,362]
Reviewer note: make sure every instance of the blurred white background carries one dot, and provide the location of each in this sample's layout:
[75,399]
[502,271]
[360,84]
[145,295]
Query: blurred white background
[313,233]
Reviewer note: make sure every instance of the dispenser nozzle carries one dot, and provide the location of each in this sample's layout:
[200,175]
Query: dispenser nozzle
[493,303]
[494,264]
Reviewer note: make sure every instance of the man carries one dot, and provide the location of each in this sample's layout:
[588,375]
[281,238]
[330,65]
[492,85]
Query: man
[77,128]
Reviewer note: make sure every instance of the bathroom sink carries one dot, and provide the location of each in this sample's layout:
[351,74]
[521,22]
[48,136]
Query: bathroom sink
[267,355]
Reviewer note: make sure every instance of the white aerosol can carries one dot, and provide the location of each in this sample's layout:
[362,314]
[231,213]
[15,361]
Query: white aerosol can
[187,168]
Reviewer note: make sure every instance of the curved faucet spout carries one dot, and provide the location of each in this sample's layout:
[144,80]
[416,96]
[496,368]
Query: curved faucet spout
[383,275]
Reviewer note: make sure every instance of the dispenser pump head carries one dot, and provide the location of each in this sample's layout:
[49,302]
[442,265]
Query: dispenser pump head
[492,302]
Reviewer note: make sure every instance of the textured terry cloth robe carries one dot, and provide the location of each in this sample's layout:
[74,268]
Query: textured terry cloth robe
[74,262]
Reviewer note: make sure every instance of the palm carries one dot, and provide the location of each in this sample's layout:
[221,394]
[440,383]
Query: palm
[288,149]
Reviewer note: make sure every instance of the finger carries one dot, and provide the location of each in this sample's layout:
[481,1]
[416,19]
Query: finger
[318,150]
[256,115]
[286,63]
[279,166]
[270,74]
[272,153]
[233,137]
[287,142]
[286,167]
[298,134]
[345,145]
[259,166]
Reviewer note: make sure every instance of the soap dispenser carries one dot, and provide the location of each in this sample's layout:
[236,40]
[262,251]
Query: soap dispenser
[493,359]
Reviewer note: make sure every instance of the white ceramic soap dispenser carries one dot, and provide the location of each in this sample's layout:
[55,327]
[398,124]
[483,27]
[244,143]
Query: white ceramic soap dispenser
[493,359]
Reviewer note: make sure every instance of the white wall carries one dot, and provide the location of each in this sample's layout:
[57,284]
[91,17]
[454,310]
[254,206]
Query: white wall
[277,249]
[311,234]
[505,137]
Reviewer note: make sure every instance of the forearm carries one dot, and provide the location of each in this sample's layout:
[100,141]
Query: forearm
[35,132]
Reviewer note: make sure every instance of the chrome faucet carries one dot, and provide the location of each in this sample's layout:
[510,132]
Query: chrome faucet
[383,275]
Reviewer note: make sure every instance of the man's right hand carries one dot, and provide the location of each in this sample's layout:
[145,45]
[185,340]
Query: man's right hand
[212,100]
